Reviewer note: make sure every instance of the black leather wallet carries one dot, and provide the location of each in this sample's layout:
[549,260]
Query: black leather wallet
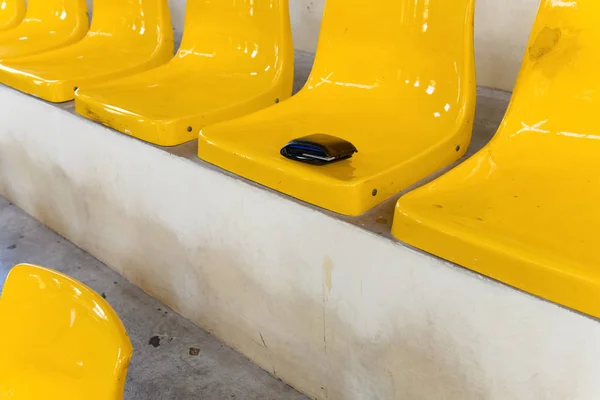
[318,149]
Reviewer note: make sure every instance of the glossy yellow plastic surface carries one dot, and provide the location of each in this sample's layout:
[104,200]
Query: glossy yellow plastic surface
[11,13]
[396,79]
[60,340]
[48,25]
[126,37]
[524,210]
[236,57]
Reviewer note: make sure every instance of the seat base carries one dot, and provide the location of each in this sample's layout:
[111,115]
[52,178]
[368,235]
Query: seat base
[162,132]
[169,105]
[389,158]
[525,226]
[54,76]
[55,91]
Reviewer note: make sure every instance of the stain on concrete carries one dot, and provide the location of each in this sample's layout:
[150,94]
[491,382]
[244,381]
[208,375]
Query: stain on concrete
[263,340]
[381,221]
[12,247]
[327,273]
[154,341]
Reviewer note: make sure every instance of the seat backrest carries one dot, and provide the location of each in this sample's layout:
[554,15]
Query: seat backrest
[61,331]
[11,13]
[146,20]
[53,12]
[386,47]
[251,37]
[558,90]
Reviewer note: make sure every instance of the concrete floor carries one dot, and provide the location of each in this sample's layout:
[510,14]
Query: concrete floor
[164,372]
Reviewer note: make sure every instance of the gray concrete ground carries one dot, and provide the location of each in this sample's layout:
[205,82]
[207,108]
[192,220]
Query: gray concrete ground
[165,372]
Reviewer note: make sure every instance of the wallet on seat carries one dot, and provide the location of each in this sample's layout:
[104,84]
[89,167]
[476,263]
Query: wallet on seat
[318,149]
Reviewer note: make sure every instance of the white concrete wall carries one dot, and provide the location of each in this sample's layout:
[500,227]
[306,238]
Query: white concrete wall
[501,32]
[337,312]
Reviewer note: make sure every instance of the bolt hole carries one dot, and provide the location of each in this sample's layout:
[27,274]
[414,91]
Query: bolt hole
[374,192]
[189,129]
[457,148]
[276,101]
[75,88]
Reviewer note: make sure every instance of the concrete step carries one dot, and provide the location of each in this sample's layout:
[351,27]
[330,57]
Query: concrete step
[167,371]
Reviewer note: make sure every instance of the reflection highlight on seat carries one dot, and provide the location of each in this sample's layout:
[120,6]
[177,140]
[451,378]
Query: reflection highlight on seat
[48,25]
[66,342]
[396,79]
[524,210]
[126,37]
[11,13]
[236,57]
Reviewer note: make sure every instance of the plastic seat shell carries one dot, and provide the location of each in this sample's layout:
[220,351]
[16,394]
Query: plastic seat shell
[524,210]
[11,13]
[396,79]
[126,37]
[48,25]
[236,57]
[62,340]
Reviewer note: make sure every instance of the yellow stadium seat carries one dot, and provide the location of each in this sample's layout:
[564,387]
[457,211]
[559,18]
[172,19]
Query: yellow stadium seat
[524,210]
[48,25]
[11,13]
[61,341]
[396,79]
[126,37]
[236,57]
